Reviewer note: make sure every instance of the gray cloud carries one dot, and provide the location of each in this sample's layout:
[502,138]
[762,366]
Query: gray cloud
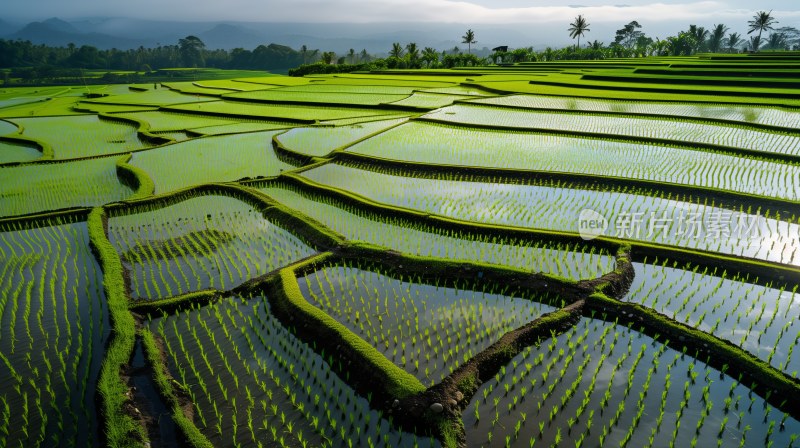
[473,11]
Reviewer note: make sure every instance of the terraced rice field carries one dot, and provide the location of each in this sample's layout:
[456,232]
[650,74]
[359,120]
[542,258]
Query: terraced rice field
[521,256]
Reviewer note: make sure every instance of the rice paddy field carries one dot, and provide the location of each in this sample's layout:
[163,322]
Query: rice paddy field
[566,254]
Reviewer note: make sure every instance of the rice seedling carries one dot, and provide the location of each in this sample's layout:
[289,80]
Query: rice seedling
[449,145]
[428,330]
[183,248]
[267,387]
[571,261]
[53,329]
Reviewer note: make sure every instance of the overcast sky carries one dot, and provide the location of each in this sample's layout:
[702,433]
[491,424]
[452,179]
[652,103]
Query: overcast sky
[467,12]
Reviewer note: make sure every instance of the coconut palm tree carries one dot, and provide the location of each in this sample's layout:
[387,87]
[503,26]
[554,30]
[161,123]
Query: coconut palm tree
[761,22]
[413,55]
[733,41]
[755,43]
[430,56]
[469,39]
[716,38]
[700,35]
[396,51]
[776,41]
[577,28]
[351,56]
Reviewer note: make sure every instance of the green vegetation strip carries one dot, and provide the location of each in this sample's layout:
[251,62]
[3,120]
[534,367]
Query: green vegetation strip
[121,430]
[177,303]
[465,381]
[167,388]
[374,369]
[764,270]
[708,147]
[660,117]
[44,147]
[721,198]
[775,386]
[442,222]
[136,178]
[142,128]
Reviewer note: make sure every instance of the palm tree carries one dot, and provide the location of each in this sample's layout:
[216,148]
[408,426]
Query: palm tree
[469,39]
[397,50]
[762,21]
[733,41]
[776,41]
[352,56]
[717,35]
[413,54]
[755,43]
[363,56]
[430,56]
[700,35]
[577,28]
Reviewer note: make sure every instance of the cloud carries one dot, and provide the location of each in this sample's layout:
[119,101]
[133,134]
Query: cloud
[371,11]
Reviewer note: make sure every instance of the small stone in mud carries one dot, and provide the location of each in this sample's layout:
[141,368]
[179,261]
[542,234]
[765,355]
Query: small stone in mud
[396,403]
[452,403]
[437,408]
[459,395]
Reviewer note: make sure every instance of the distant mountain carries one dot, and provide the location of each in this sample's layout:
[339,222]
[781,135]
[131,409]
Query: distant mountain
[55,32]
[376,38]
[7,28]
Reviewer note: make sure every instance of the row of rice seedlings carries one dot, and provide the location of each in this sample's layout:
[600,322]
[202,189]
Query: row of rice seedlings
[203,242]
[761,319]
[167,121]
[592,387]
[214,159]
[320,141]
[328,87]
[238,128]
[274,111]
[53,327]
[631,214]
[576,261]
[425,100]
[426,329]
[678,131]
[281,95]
[150,97]
[82,135]
[731,112]
[51,186]
[445,145]
[253,383]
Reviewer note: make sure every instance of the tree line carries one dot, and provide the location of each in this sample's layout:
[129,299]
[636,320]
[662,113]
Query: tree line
[38,63]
